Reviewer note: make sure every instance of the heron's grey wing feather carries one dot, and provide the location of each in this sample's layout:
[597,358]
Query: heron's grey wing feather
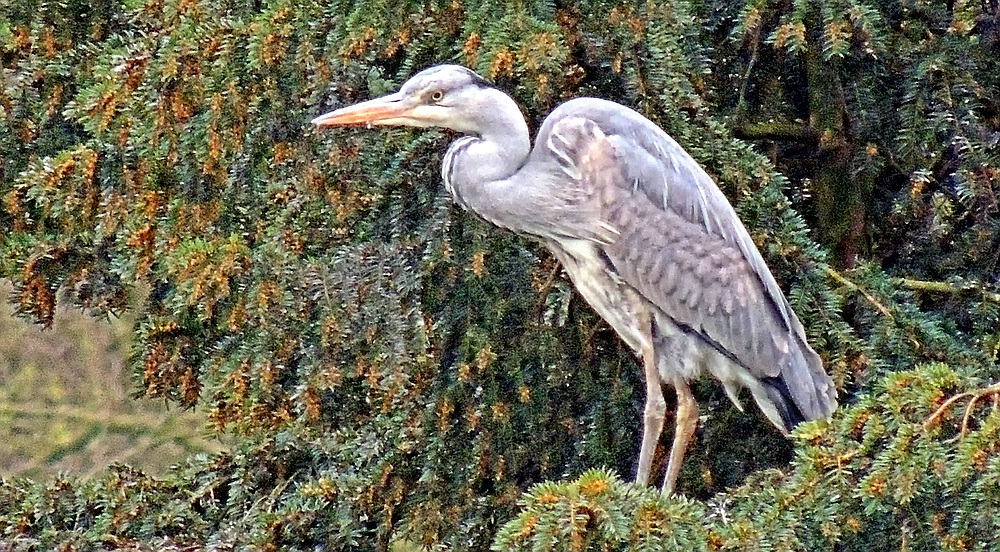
[681,245]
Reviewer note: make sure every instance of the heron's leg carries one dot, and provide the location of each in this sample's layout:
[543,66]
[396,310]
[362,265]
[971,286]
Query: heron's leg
[687,422]
[653,414]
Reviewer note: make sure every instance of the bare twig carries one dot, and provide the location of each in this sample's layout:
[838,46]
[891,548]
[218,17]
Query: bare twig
[976,396]
[943,408]
[543,291]
[869,297]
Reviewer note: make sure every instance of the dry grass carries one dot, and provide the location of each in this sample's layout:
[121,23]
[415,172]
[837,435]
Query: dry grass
[66,401]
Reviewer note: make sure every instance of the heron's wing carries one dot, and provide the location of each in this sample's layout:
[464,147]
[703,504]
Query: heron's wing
[681,245]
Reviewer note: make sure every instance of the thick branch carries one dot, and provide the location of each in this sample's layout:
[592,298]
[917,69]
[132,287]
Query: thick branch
[786,131]
[945,287]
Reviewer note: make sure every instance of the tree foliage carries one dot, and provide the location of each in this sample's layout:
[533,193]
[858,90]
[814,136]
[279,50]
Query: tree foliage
[394,370]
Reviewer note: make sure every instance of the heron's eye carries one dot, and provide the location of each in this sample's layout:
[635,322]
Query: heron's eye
[437,95]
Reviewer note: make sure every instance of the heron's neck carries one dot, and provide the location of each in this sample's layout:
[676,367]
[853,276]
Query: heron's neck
[498,149]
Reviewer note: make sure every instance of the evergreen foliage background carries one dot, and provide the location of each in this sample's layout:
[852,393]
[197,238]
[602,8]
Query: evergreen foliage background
[396,373]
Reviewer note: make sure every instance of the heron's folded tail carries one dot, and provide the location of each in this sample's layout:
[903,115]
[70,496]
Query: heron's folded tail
[803,391]
[781,398]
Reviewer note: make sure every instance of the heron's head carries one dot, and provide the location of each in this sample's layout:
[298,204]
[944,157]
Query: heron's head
[446,96]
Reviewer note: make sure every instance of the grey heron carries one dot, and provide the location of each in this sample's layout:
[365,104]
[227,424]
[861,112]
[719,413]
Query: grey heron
[644,233]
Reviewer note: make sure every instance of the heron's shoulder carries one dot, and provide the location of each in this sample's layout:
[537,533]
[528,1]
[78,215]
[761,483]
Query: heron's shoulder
[581,129]
[641,142]
[652,161]
[585,105]
[608,115]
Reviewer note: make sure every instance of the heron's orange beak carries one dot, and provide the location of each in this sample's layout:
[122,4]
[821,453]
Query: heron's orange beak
[387,110]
